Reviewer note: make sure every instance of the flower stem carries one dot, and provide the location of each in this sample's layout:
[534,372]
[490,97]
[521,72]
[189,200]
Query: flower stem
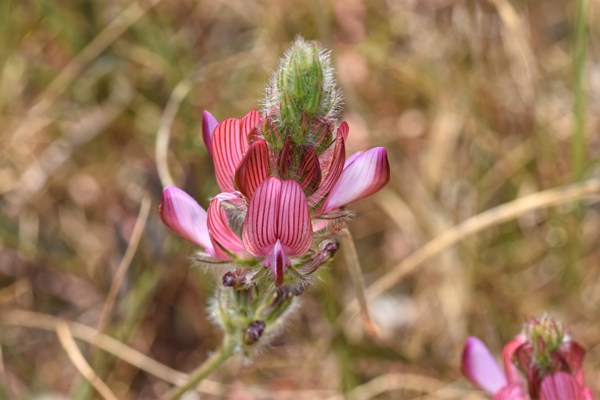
[216,359]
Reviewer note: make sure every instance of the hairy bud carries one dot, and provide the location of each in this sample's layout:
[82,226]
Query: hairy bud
[303,97]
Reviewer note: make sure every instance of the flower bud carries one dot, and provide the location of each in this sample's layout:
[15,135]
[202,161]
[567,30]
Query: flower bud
[303,92]
[236,278]
[253,332]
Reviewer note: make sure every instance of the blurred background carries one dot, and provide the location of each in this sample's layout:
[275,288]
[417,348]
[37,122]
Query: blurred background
[477,102]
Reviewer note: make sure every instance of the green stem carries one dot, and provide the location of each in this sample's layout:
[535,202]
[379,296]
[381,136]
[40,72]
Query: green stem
[217,359]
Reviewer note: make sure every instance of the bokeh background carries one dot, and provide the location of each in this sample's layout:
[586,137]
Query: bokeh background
[478,102]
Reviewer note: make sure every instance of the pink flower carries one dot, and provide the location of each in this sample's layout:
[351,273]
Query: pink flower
[271,190]
[524,376]
[277,224]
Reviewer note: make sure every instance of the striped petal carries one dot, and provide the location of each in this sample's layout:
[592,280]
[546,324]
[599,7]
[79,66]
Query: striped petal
[294,228]
[343,130]
[365,175]
[561,386]
[221,235]
[253,169]
[285,159]
[184,216]
[480,366]
[209,123]
[229,144]
[309,171]
[250,121]
[331,170]
[260,226]
[277,212]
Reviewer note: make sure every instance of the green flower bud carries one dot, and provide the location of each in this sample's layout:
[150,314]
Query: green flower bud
[303,96]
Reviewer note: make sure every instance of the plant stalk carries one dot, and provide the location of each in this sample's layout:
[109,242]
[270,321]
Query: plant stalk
[216,359]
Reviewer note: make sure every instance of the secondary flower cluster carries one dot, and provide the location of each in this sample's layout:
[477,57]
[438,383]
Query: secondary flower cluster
[284,185]
[540,363]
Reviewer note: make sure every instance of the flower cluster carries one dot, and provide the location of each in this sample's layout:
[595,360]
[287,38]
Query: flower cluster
[540,363]
[283,175]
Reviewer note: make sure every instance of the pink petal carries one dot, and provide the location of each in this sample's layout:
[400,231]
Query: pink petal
[278,212]
[250,121]
[572,353]
[253,169]
[229,144]
[294,228]
[309,171]
[332,169]
[184,216]
[508,352]
[260,226]
[561,386]
[353,157]
[209,123]
[221,235]
[343,130]
[277,261]
[367,174]
[285,159]
[513,391]
[480,367]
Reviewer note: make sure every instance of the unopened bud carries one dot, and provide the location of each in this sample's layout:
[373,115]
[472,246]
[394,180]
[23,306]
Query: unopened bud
[236,278]
[253,332]
[303,91]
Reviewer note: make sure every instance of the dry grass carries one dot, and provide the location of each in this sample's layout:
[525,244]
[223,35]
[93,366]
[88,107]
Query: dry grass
[482,105]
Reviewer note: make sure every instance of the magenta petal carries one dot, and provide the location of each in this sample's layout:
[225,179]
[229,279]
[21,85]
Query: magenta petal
[480,367]
[249,122]
[278,212]
[510,370]
[209,123]
[294,227]
[367,174]
[561,386]
[353,157]
[513,391]
[253,169]
[343,130]
[221,235]
[277,261]
[184,216]
[260,226]
[229,144]
[572,353]
[332,169]
[309,171]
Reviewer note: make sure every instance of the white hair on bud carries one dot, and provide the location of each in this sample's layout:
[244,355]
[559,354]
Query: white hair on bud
[331,103]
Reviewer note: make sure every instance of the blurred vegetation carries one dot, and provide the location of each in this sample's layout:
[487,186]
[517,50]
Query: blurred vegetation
[477,102]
